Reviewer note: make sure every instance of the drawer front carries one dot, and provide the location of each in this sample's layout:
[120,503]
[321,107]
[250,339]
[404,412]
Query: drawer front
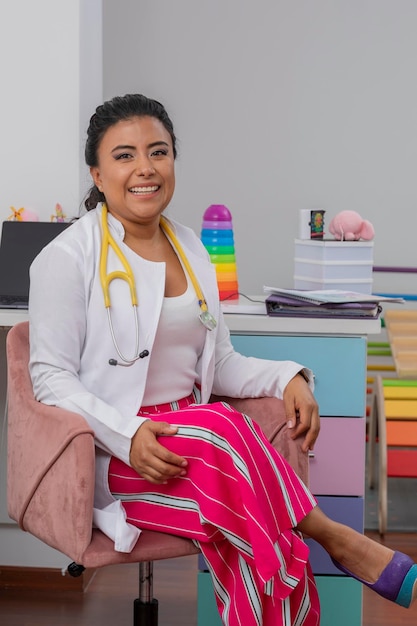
[338,363]
[337,464]
[207,613]
[348,511]
[340,601]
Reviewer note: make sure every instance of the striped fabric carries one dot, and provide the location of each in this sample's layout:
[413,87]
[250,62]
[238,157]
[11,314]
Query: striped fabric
[240,502]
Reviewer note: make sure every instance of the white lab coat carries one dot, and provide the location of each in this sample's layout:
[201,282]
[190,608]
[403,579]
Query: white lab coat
[71,346]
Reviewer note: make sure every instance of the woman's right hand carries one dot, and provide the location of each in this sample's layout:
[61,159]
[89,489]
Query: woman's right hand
[152,460]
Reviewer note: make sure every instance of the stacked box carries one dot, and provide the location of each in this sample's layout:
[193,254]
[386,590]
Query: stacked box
[217,237]
[331,264]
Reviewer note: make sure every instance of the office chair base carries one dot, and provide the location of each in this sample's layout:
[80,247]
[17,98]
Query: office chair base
[145,613]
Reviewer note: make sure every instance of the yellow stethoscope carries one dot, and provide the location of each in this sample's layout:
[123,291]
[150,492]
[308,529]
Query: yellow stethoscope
[127,275]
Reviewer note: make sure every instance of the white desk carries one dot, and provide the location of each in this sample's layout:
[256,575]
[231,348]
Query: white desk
[10,317]
[262,324]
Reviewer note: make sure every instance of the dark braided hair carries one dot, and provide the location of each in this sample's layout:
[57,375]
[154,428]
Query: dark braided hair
[110,113]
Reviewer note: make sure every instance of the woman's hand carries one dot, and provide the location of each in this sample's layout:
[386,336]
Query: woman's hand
[302,411]
[152,460]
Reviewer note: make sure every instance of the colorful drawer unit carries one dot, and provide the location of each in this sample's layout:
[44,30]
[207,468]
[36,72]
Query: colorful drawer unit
[337,464]
[340,600]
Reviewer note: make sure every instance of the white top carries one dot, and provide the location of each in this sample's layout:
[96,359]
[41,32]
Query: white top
[180,338]
[71,346]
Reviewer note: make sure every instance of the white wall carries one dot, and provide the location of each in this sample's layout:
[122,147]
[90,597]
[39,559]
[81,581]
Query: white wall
[51,81]
[280,105]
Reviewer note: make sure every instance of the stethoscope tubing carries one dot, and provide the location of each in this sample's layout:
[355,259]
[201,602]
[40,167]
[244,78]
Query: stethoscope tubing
[127,275]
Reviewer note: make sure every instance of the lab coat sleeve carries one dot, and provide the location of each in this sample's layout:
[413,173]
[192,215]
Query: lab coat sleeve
[57,315]
[239,376]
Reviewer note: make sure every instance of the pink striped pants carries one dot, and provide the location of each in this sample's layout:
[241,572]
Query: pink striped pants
[240,502]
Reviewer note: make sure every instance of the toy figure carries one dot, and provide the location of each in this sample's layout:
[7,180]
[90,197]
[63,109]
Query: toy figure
[317,224]
[59,214]
[349,226]
[22,215]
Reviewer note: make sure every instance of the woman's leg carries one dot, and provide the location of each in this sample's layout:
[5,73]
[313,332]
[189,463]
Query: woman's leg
[270,415]
[240,501]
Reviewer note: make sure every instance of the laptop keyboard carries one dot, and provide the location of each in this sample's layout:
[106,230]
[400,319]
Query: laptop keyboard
[13,302]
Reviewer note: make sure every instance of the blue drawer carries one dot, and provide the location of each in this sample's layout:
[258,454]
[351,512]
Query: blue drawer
[346,510]
[338,363]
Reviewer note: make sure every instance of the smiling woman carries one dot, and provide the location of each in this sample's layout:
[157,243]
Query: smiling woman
[135,172]
[166,458]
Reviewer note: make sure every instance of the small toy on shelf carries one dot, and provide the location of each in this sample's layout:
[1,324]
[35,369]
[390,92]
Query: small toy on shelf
[349,226]
[317,224]
[59,215]
[217,237]
[22,215]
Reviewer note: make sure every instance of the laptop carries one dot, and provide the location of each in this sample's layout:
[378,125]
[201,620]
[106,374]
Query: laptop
[20,244]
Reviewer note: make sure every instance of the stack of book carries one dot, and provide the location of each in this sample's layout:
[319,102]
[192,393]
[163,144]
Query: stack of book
[324,303]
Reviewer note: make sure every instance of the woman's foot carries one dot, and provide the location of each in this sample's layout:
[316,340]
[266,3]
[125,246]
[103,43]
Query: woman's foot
[397,582]
[364,559]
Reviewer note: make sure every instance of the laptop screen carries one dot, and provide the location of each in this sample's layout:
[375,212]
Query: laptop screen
[20,243]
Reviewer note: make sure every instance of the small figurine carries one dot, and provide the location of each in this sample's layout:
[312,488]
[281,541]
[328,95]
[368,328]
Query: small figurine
[59,214]
[349,226]
[317,224]
[22,215]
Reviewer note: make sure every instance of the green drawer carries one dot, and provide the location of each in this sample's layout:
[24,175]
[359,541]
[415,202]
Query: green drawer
[207,613]
[338,363]
[340,601]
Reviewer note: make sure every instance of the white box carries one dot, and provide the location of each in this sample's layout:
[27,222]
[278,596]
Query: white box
[331,264]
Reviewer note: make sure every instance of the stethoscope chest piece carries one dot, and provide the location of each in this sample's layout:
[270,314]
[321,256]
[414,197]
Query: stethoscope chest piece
[207,319]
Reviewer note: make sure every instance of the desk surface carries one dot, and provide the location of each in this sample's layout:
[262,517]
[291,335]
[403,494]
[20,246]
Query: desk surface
[263,324]
[259,324]
[10,317]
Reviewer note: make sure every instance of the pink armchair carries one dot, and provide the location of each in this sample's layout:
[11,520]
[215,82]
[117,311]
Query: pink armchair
[51,477]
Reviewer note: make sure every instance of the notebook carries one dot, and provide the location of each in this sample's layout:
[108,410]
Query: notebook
[284,306]
[20,244]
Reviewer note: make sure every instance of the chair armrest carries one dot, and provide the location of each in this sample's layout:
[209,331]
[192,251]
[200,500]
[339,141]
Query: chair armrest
[50,478]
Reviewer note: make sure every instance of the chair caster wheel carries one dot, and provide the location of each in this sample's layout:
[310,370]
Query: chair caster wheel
[75,570]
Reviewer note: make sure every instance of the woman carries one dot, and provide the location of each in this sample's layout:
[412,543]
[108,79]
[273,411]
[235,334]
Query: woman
[142,376]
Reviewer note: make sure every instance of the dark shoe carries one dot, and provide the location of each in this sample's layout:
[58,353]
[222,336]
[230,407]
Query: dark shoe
[396,582]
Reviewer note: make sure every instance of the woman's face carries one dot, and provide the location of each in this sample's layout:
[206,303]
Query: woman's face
[135,170]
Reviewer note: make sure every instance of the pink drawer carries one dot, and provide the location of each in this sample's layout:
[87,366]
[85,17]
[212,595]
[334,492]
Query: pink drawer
[337,463]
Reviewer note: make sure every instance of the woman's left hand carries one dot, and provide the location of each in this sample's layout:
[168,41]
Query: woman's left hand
[302,411]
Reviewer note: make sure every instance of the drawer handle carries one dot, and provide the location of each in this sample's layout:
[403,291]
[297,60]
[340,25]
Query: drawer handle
[311,455]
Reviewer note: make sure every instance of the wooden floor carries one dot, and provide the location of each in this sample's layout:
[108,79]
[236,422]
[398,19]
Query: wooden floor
[109,598]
